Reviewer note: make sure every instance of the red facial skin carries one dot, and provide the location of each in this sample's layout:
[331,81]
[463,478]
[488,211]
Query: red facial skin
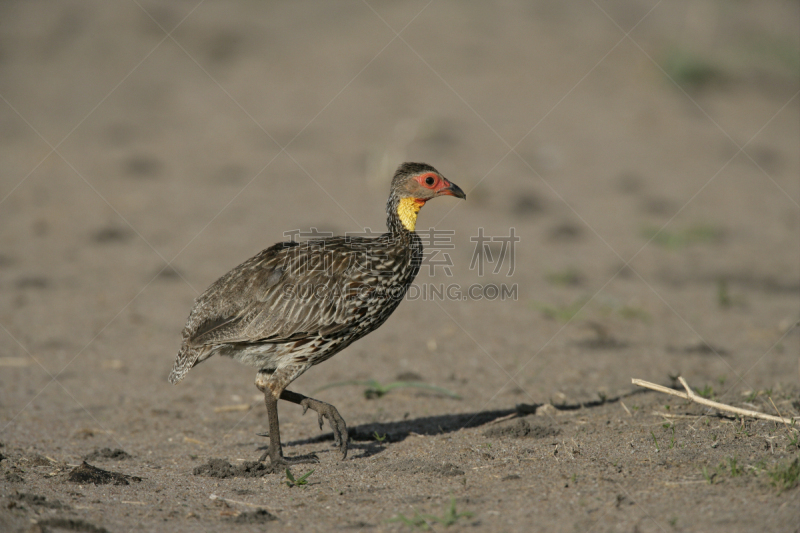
[439,186]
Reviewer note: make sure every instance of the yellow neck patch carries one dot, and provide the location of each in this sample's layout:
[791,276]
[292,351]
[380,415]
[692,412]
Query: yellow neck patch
[407,209]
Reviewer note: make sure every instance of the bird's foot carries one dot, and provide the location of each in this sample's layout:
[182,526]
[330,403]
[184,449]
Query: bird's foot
[326,410]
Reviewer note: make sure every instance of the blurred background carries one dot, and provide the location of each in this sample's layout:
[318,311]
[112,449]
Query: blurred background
[645,153]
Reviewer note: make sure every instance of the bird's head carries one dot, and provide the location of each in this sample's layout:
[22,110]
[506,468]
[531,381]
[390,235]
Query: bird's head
[413,185]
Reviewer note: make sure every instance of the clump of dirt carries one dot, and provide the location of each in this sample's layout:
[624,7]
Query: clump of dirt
[220,468]
[259,516]
[69,524]
[38,501]
[13,477]
[86,473]
[35,459]
[426,467]
[521,429]
[107,453]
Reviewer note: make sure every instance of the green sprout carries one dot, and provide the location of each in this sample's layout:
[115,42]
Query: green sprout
[736,470]
[563,313]
[671,427]
[690,70]
[423,521]
[786,476]
[564,278]
[678,240]
[299,482]
[706,392]
[793,438]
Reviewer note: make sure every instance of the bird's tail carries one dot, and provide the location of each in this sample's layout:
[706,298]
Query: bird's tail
[187,357]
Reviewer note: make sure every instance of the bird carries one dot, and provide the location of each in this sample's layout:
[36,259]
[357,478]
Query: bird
[297,304]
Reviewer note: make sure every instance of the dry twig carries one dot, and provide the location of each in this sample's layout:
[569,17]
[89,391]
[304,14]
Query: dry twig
[690,395]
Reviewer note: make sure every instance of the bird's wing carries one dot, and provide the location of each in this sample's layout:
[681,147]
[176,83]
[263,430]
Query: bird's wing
[287,292]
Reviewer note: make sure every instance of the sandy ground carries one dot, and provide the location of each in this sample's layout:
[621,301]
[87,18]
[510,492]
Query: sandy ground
[645,154]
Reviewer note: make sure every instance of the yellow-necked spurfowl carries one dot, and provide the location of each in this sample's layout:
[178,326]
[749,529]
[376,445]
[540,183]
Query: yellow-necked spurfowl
[295,305]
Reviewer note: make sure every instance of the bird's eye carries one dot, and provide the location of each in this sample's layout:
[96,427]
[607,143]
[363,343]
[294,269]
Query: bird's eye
[429,181]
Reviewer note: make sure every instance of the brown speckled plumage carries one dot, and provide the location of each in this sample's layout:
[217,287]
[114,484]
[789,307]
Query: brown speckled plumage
[295,305]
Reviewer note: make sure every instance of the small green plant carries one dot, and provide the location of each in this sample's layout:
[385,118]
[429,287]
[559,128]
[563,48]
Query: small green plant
[655,441]
[379,438]
[671,427]
[793,438]
[567,277]
[376,390]
[678,240]
[423,521]
[708,475]
[786,476]
[689,70]
[451,516]
[611,306]
[299,482]
[736,470]
[417,521]
[563,313]
[706,392]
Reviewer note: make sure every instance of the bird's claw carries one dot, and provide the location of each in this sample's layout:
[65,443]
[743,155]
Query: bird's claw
[336,421]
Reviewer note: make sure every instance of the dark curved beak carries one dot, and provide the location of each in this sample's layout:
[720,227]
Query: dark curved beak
[451,189]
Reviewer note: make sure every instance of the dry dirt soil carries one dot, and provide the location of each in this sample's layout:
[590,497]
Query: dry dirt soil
[644,153]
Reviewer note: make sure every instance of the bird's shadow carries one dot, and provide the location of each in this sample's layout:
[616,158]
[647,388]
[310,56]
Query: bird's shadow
[371,438]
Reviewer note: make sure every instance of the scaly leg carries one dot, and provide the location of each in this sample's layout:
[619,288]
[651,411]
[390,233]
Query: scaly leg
[275,450]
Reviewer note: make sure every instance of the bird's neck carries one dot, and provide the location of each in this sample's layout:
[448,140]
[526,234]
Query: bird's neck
[401,214]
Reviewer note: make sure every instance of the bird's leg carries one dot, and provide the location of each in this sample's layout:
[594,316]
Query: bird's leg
[324,410]
[275,450]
